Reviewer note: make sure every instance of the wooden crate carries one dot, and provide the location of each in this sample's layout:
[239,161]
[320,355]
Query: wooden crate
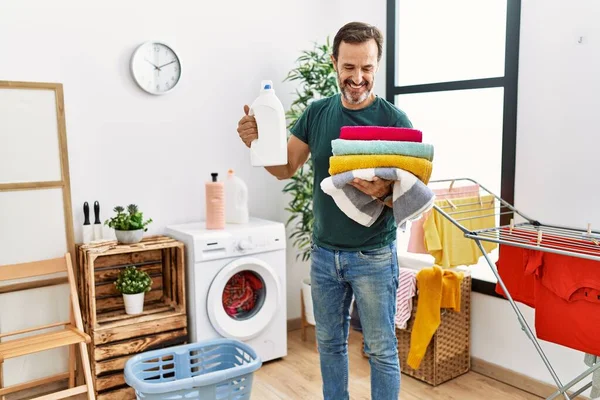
[115,335]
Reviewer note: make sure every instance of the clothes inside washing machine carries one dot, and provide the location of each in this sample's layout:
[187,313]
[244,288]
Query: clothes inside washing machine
[243,295]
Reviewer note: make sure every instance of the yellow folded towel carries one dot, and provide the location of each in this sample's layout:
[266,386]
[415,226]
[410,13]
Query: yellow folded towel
[419,167]
[438,288]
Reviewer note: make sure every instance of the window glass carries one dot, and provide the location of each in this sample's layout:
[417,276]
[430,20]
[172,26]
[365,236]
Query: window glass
[442,41]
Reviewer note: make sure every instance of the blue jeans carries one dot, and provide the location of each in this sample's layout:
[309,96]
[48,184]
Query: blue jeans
[372,277]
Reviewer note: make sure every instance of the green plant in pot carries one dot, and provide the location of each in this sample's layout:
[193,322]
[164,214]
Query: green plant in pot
[133,284]
[317,79]
[129,225]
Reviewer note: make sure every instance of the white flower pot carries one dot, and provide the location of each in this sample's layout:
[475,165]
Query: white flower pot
[134,303]
[129,237]
[308,304]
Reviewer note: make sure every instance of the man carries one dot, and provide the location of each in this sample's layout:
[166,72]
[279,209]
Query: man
[348,258]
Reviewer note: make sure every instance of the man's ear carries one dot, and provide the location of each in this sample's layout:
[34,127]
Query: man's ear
[334,62]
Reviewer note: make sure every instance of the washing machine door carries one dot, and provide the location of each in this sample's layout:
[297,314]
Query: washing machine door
[243,298]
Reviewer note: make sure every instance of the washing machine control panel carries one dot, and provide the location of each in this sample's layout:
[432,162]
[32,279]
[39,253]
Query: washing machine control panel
[239,243]
[244,244]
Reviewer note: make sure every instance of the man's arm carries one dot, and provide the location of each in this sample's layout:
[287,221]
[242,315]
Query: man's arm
[298,153]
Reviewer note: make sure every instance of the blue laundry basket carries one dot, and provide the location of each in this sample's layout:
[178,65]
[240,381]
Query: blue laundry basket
[220,369]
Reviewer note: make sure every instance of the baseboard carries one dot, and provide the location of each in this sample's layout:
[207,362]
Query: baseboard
[294,324]
[516,379]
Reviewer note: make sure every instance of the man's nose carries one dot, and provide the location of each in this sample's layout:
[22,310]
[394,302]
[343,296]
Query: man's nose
[357,77]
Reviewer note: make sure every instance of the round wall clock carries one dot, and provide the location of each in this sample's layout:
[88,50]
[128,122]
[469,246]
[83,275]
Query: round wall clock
[155,67]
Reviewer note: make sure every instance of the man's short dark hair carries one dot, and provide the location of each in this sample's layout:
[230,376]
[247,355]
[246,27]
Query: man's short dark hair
[358,32]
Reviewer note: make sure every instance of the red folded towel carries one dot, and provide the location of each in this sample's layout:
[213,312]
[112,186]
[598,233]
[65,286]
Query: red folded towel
[381,133]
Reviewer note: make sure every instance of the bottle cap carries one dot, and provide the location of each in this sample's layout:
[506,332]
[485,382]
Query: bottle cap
[266,85]
[214,176]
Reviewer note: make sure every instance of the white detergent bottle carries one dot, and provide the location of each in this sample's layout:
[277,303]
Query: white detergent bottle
[236,200]
[271,146]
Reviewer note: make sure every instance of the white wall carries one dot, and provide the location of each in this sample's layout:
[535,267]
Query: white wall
[157,151]
[557,149]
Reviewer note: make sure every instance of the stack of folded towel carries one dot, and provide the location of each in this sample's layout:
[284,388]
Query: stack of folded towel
[390,153]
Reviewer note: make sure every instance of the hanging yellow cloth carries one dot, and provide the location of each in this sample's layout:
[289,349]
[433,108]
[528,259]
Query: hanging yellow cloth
[438,288]
[446,242]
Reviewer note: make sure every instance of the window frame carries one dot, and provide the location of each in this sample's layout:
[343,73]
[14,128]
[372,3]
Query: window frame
[510,84]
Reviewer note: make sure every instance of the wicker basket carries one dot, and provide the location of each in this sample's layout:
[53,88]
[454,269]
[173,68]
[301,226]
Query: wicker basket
[448,354]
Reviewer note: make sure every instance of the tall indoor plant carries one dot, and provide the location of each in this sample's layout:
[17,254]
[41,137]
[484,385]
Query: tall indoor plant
[317,79]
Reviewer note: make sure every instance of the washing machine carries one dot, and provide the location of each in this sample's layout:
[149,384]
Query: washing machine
[236,280]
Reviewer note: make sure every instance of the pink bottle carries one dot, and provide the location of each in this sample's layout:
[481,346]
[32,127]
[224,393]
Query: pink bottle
[215,204]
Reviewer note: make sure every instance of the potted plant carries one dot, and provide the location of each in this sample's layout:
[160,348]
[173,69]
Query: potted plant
[317,80]
[133,285]
[129,225]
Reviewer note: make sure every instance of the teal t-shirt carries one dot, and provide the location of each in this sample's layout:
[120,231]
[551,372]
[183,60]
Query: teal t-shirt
[318,126]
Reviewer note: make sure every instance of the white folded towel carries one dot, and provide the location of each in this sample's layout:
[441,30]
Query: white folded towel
[411,197]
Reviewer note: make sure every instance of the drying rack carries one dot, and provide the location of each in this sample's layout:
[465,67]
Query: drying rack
[554,242]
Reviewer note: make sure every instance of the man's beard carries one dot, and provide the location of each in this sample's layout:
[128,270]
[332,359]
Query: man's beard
[354,98]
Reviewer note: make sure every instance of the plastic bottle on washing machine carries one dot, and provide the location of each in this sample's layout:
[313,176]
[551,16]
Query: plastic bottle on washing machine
[215,207]
[271,146]
[236,200]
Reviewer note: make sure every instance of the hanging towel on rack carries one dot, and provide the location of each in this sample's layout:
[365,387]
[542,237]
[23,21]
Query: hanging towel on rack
[407,288]
[590,360]
[411,197]
[381,133]
[416,242]
[343,147]
[567,289]
[419,167]
[447,243]
[437,289]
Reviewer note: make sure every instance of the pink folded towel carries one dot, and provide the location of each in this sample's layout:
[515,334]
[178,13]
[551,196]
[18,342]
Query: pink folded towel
[381,133]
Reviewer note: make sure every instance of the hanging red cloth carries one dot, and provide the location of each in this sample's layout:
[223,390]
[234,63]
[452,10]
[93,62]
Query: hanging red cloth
[567,296]
[511,265]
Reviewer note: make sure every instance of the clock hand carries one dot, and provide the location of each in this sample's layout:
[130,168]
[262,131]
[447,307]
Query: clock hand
[155,67]
[164,65]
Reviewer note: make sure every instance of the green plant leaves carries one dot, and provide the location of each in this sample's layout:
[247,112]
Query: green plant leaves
[130,221]
[317,80]
[133,281]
